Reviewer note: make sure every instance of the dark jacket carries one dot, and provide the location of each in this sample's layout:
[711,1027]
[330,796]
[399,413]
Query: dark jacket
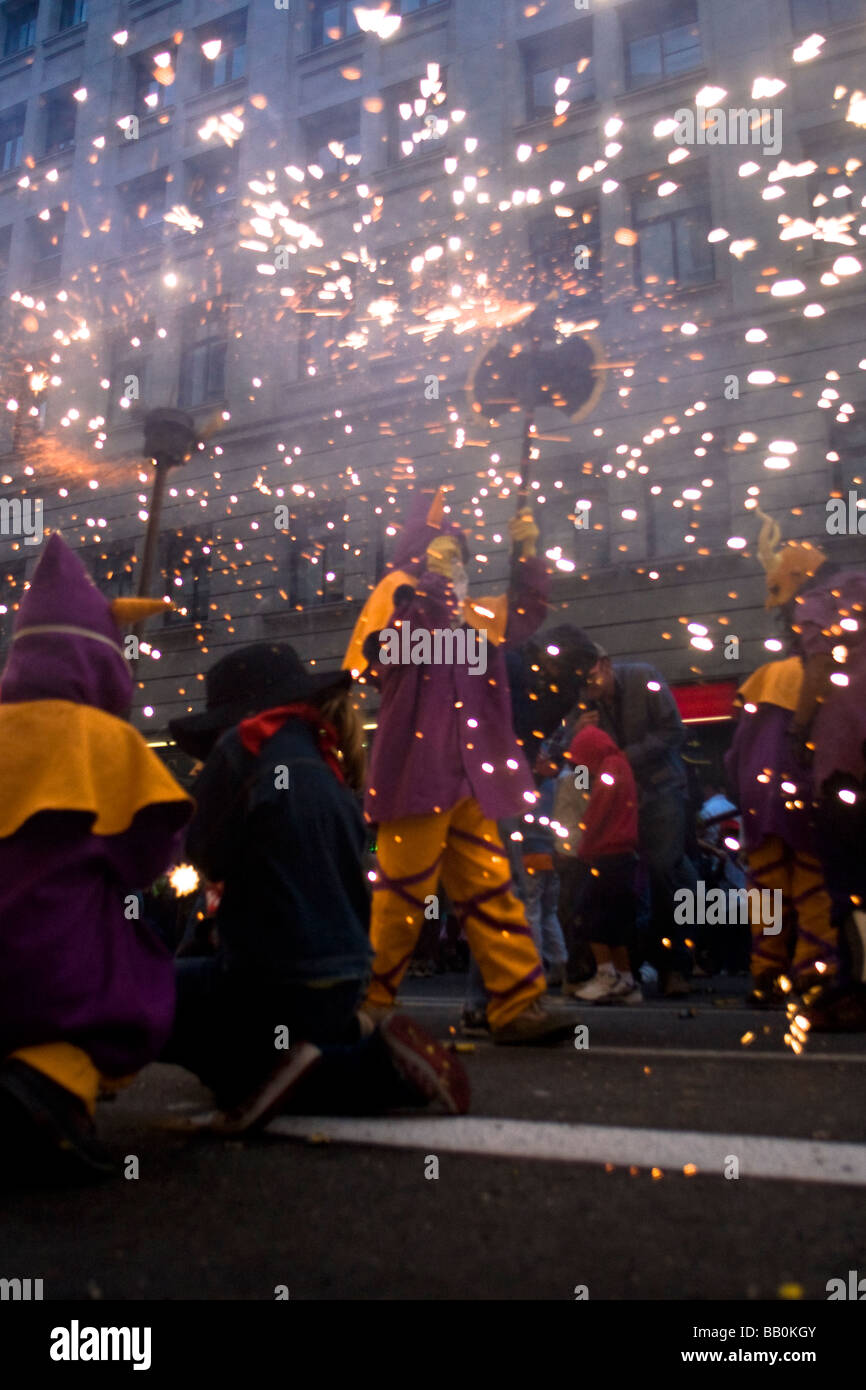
[295,902]
[646,725]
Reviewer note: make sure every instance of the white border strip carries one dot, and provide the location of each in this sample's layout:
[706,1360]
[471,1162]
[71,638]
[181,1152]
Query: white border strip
[758,1156]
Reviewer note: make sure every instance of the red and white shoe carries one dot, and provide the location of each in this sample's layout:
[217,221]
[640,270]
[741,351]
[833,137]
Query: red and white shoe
[436,1073]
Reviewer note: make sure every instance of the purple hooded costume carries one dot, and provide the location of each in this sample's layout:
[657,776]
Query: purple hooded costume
[88,814]
[832,616]
[445,733]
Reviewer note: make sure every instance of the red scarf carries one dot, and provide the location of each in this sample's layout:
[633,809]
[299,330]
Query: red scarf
[256,732]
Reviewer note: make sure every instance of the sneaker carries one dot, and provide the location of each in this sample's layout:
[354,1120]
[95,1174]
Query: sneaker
[474,1023]
[571,988]
[270,1097]
[538,1025]
[433,1071]
[624,992]
[599,989]
[48,1133]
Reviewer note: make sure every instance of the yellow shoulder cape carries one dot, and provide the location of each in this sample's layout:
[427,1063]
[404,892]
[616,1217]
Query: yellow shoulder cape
[59,756]
[777,683]
[488,615]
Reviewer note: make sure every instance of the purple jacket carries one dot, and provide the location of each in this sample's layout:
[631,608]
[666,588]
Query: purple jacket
[445,733]
[73,967]
[839,729]
[759,749]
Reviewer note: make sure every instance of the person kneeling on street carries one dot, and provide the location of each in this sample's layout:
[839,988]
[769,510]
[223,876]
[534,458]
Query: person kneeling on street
[270,1022]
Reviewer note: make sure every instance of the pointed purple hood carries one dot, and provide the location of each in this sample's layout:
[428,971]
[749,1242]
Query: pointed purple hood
[424,523]
[65,643]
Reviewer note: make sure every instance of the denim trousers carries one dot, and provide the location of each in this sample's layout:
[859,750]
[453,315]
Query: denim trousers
[661,844]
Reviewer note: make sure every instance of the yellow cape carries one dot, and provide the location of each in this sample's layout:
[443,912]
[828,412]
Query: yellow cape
[488,615]
[777,683]
[59,756]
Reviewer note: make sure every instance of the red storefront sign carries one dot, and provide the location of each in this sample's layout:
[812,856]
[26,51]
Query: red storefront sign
[702,704]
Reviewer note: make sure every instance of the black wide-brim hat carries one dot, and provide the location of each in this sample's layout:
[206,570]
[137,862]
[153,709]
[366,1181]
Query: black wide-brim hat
[247,682]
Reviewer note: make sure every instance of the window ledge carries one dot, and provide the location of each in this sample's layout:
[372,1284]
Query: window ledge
[543,125]
[12,61]
[214,95]
[75,33]
[55,157]
[342,46]
[665,84]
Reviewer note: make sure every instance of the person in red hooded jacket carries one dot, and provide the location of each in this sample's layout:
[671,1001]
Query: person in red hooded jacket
[598,864]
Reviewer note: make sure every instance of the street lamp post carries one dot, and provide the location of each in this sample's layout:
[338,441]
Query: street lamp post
[169,439]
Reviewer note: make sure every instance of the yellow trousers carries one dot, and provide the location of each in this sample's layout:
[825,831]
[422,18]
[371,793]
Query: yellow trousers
[807,912]
[461,848]
[68,1066]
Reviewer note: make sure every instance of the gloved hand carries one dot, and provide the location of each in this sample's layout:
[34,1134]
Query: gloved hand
[524,532]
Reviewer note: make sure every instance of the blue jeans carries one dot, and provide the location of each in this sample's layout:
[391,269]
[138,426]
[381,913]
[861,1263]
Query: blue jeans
[542,900]
[661,844]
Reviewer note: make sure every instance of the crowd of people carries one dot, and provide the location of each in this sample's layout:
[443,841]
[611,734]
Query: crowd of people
[542,799]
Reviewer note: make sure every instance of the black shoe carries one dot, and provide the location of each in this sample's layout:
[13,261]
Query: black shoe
[676,986]
[474,1024]
[48,1134]
[837,1009]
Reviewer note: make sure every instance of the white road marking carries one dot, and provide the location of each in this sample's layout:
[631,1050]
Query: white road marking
[710,1054]
[759,1156]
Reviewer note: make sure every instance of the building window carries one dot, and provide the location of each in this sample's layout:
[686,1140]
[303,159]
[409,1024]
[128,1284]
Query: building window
[186,572]
[60,112]
[333,20]
[11,137]
[316,559]
[153,75]
[565,253]
[812,16]
[330,313]
[223,51]
[558,71]
[20,27]
[333,142]
[130,369]
[72,12]
[205,348]
[662,40]
[416,116]
[11,591]
[46,245]
[413,6]
[577,534]
[672,247]
[212,186]
[113,570]
[837,187]
[143,205]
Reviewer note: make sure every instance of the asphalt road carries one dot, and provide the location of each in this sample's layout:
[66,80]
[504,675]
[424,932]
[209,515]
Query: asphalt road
[344,1217]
